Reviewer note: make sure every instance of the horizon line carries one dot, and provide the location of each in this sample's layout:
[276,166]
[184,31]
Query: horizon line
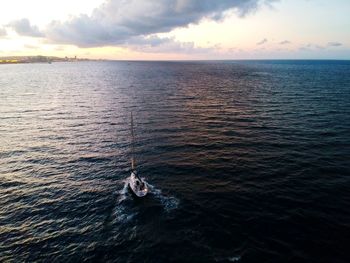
[81,59]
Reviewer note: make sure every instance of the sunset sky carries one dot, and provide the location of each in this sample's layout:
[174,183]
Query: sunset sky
[176,29]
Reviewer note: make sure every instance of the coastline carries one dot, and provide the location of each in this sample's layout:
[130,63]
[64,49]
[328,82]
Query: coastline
[40,59]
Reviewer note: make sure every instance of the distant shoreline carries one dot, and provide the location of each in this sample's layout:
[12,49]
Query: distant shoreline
[25,62]
[39,59]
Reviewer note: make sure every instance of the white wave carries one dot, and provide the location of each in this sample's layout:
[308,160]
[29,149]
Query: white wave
[234,259]
[122,215]
[169,202]
[123,193]
[120,212]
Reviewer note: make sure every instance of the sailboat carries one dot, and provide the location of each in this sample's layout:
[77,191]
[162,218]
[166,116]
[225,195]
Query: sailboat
[137,186]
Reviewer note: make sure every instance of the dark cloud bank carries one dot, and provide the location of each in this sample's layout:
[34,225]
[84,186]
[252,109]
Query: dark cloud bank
[131,22]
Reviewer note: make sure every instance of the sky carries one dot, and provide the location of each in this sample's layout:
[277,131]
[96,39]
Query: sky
[176,29]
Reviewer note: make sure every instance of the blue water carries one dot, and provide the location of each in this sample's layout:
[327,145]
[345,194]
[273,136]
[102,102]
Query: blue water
[247,161]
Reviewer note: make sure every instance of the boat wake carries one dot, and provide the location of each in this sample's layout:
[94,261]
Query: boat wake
[123,193]
[169,202]
[122,213]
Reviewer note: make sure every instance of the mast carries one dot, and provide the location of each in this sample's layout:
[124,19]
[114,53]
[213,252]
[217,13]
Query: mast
[132,144]
[133,166]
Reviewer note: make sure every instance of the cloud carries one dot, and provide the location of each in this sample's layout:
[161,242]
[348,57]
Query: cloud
[28,46]
[115,22]
[315,46]
[285,42]
[310,47]
[155,44]
[59,48]
[334,44]
[262,42]
[2,32]
[24,28]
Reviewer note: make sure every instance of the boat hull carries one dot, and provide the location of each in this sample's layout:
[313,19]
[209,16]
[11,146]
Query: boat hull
[134,186]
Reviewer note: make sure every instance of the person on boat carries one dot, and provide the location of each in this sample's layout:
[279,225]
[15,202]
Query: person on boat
[142,186]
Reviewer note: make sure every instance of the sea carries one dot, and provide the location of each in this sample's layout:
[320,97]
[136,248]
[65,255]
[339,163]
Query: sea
[246,161]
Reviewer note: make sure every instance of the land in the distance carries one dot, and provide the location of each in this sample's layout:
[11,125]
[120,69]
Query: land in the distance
[39,59]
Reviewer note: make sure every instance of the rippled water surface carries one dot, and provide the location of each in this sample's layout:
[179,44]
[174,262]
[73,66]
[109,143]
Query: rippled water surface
[246,161]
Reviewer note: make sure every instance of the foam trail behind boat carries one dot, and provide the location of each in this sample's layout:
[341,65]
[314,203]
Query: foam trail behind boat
[121,212]
[169,202]
[122,194]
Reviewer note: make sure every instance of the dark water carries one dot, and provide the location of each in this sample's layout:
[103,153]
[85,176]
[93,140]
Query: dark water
[247,161]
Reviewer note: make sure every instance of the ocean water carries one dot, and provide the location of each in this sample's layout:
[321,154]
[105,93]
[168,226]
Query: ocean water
[247,161]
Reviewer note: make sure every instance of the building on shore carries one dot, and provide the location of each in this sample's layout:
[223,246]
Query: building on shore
[9,61]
